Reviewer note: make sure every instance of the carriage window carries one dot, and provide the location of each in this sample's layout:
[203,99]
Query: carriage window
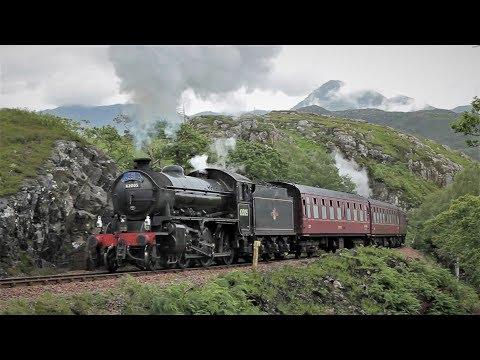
[331,203]
[304,208]
[309,215]
[338,203]
[323,201]
[354,205]
[315,211]
[315,201]
[324,212]
[332,212]
[349,215]
[360,212]
[355,217]
[339,213]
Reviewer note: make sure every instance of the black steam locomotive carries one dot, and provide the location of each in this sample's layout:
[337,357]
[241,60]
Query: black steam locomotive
[167,218]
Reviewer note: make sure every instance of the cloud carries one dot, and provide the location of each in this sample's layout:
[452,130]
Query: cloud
[156,76]
[49,76]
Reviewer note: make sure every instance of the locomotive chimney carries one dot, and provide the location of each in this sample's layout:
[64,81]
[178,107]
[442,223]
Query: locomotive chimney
[142,163]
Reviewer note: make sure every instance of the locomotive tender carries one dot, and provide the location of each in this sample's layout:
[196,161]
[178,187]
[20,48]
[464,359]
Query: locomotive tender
[167,218]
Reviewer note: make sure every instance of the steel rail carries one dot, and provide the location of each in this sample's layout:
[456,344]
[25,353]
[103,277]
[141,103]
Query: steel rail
[86,276]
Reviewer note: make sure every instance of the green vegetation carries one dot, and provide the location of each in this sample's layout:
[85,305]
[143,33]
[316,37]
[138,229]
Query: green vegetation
[469,124]
[188,143]
[434,124]
[361,281]
[260,161]
[455,234]
[398,177]
[26,141]
[446,225]
[120,148]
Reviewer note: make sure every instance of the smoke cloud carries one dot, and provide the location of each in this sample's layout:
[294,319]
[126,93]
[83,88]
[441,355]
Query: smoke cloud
[156,76]
[358,175]
[221,147]
[199,162]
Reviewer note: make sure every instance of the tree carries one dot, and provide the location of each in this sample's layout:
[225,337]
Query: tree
[188,143]
[469,124]
[454,233]
[119,147]
[124,120]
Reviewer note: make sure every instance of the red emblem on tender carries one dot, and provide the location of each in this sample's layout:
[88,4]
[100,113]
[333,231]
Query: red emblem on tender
[274,214]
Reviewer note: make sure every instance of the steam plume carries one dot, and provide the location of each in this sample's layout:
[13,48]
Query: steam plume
[156,76]
[358,175]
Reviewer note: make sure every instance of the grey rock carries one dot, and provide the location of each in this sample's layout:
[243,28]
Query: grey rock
[51,214]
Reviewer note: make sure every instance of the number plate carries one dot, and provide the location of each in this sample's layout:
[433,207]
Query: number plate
[133,185]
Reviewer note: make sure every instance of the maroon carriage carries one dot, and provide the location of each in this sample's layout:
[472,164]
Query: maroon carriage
[328,219]
[388,225]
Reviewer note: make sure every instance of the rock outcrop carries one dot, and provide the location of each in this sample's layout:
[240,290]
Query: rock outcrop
[44,224]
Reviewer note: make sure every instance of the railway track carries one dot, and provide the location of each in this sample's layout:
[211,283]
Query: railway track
[92,276]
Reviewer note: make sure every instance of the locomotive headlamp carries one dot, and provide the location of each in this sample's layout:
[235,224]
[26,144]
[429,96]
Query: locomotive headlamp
[123,223]
[147,223]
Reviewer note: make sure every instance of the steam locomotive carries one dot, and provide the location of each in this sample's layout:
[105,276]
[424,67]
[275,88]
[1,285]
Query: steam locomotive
[169,219]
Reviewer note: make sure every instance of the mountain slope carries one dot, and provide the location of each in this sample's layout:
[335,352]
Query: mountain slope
[461,109]
[432,124]
[293,146]
[95,115]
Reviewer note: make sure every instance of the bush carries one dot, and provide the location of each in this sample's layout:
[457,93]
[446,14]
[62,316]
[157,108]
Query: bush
[362,281]
[455,233]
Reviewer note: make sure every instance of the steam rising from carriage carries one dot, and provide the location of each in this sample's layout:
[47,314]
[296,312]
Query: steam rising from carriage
[167,218]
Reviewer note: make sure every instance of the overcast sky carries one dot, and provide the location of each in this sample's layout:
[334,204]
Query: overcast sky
[40,77]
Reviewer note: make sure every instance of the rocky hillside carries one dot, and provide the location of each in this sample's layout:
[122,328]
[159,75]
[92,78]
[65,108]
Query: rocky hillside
[45,223]
[52,185]
[432,124]
[401,168]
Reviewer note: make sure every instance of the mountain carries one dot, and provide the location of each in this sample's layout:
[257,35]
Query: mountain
[96,115]
[332,96]
[461,109]
[432,124]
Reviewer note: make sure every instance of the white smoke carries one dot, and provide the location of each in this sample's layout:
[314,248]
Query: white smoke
[221,147]
[156,76]
[351,169]
[199,162]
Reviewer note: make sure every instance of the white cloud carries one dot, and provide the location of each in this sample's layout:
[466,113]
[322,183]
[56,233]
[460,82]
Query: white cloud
[47,76]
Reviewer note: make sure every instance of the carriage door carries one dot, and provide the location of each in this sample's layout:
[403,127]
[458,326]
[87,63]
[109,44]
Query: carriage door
[244,196]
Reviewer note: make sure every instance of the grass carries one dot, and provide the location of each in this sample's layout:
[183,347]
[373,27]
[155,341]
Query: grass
[361,281]
[397,177]
[26,141]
